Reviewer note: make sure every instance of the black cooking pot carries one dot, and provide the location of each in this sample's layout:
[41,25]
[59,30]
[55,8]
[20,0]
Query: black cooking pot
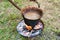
[31,22]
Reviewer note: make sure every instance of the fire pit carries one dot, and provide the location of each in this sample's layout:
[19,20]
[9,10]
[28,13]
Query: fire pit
[24,32]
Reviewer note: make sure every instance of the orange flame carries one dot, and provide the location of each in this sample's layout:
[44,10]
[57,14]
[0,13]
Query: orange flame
[29,27]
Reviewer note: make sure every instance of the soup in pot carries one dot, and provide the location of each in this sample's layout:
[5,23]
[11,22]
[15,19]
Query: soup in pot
[32,15]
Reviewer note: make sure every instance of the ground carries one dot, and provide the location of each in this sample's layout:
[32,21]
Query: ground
[10,17]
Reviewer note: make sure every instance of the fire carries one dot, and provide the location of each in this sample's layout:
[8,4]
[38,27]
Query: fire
[29,27]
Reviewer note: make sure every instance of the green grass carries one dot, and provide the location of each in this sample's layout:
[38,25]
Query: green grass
[10,17]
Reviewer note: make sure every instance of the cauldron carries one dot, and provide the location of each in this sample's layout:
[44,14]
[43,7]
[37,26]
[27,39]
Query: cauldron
[31,22]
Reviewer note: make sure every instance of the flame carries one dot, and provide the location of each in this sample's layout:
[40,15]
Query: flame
[29,27]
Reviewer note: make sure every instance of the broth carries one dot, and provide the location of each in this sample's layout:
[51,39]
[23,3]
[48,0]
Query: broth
[32,15]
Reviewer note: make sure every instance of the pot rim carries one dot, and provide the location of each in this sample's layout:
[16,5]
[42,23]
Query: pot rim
[29,9]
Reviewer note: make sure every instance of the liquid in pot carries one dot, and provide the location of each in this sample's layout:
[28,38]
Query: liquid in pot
[32,15]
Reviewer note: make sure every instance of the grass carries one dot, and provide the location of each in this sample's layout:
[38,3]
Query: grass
[10,17]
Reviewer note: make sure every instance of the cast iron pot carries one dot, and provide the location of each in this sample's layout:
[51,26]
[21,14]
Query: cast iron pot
[31,22]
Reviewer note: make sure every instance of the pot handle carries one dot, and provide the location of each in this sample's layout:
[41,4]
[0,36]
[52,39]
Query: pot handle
[19,7]
[36,3]
[14,4]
